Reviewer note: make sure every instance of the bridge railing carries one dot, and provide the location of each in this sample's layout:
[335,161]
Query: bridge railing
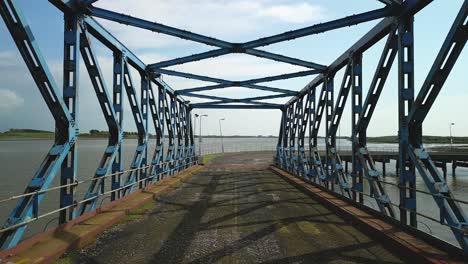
[169,113]
[209,146]
[415,165]
[148,180]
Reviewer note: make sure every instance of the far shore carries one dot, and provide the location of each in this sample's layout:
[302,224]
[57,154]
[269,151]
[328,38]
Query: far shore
[32,134]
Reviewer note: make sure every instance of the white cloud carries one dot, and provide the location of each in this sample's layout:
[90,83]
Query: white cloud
[9,58]
[9,100]
[294,13]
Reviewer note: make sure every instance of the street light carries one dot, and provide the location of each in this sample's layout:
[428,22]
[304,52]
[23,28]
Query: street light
[451,138]
[221,134]
[200,137]
[195,125]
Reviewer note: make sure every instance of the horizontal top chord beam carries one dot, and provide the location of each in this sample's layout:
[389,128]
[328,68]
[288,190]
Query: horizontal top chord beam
[370,38]
[216,106]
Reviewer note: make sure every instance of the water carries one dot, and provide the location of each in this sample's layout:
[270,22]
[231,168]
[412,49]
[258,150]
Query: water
[20,159]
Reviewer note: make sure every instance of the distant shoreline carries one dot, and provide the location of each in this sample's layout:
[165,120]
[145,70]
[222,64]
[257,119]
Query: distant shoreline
[31,134]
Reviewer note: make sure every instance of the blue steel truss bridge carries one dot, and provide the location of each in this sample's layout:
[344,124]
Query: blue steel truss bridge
[154,103]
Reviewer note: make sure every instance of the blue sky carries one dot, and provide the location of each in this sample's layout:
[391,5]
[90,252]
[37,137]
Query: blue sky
[22,106]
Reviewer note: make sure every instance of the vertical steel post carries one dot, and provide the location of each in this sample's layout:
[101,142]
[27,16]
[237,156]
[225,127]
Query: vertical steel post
[330,182]
[292,137]
[179,130]
[71,66]
[303,160]
[189,136]
[118,80]
[170,121]
[312,140]
[144,102]
[287,131]
[356,101]
[279,145]
[162,109]
[405,102]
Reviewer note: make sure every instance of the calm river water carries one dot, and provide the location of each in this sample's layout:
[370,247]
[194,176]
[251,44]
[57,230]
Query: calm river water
[20,159]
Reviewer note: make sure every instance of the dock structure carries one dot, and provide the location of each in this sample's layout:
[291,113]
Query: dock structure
[441,160]
[299,204]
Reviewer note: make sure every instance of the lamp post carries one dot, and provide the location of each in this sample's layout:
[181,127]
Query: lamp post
[221,134]
[451,138]
[195,127]
[195,124]
[200,136]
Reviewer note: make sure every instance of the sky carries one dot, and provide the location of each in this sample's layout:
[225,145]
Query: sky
[21,105]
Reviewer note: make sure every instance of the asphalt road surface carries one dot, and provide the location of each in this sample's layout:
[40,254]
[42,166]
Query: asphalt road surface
[236,211]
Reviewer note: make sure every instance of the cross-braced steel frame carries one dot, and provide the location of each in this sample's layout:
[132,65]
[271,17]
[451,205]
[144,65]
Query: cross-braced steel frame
[170,113]
[326,168]
[304,112]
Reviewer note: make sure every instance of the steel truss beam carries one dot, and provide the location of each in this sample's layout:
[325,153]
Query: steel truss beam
[264,106]
[329,83]
[406,169]
[322,27]
[163,112]
[296,120]
[224,45]
[158,122]
[28,206]
[222,83]
[177,128]
[157,27]
[169,117]
[70,97]
[172,150]
[451,212]
[96,187]
[101,34]
[411,116]
[303,167]
[247,82]
[222,100]
[248,46]
[279,145]
[171,112]
[140,122]
[312,141]
[356,109]
[378,32]
[118,96]
[333,121]
[440,70]
[369,170]
[286,135]
[318,171]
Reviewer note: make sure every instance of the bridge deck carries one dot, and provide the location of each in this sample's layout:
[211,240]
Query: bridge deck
[237,211]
